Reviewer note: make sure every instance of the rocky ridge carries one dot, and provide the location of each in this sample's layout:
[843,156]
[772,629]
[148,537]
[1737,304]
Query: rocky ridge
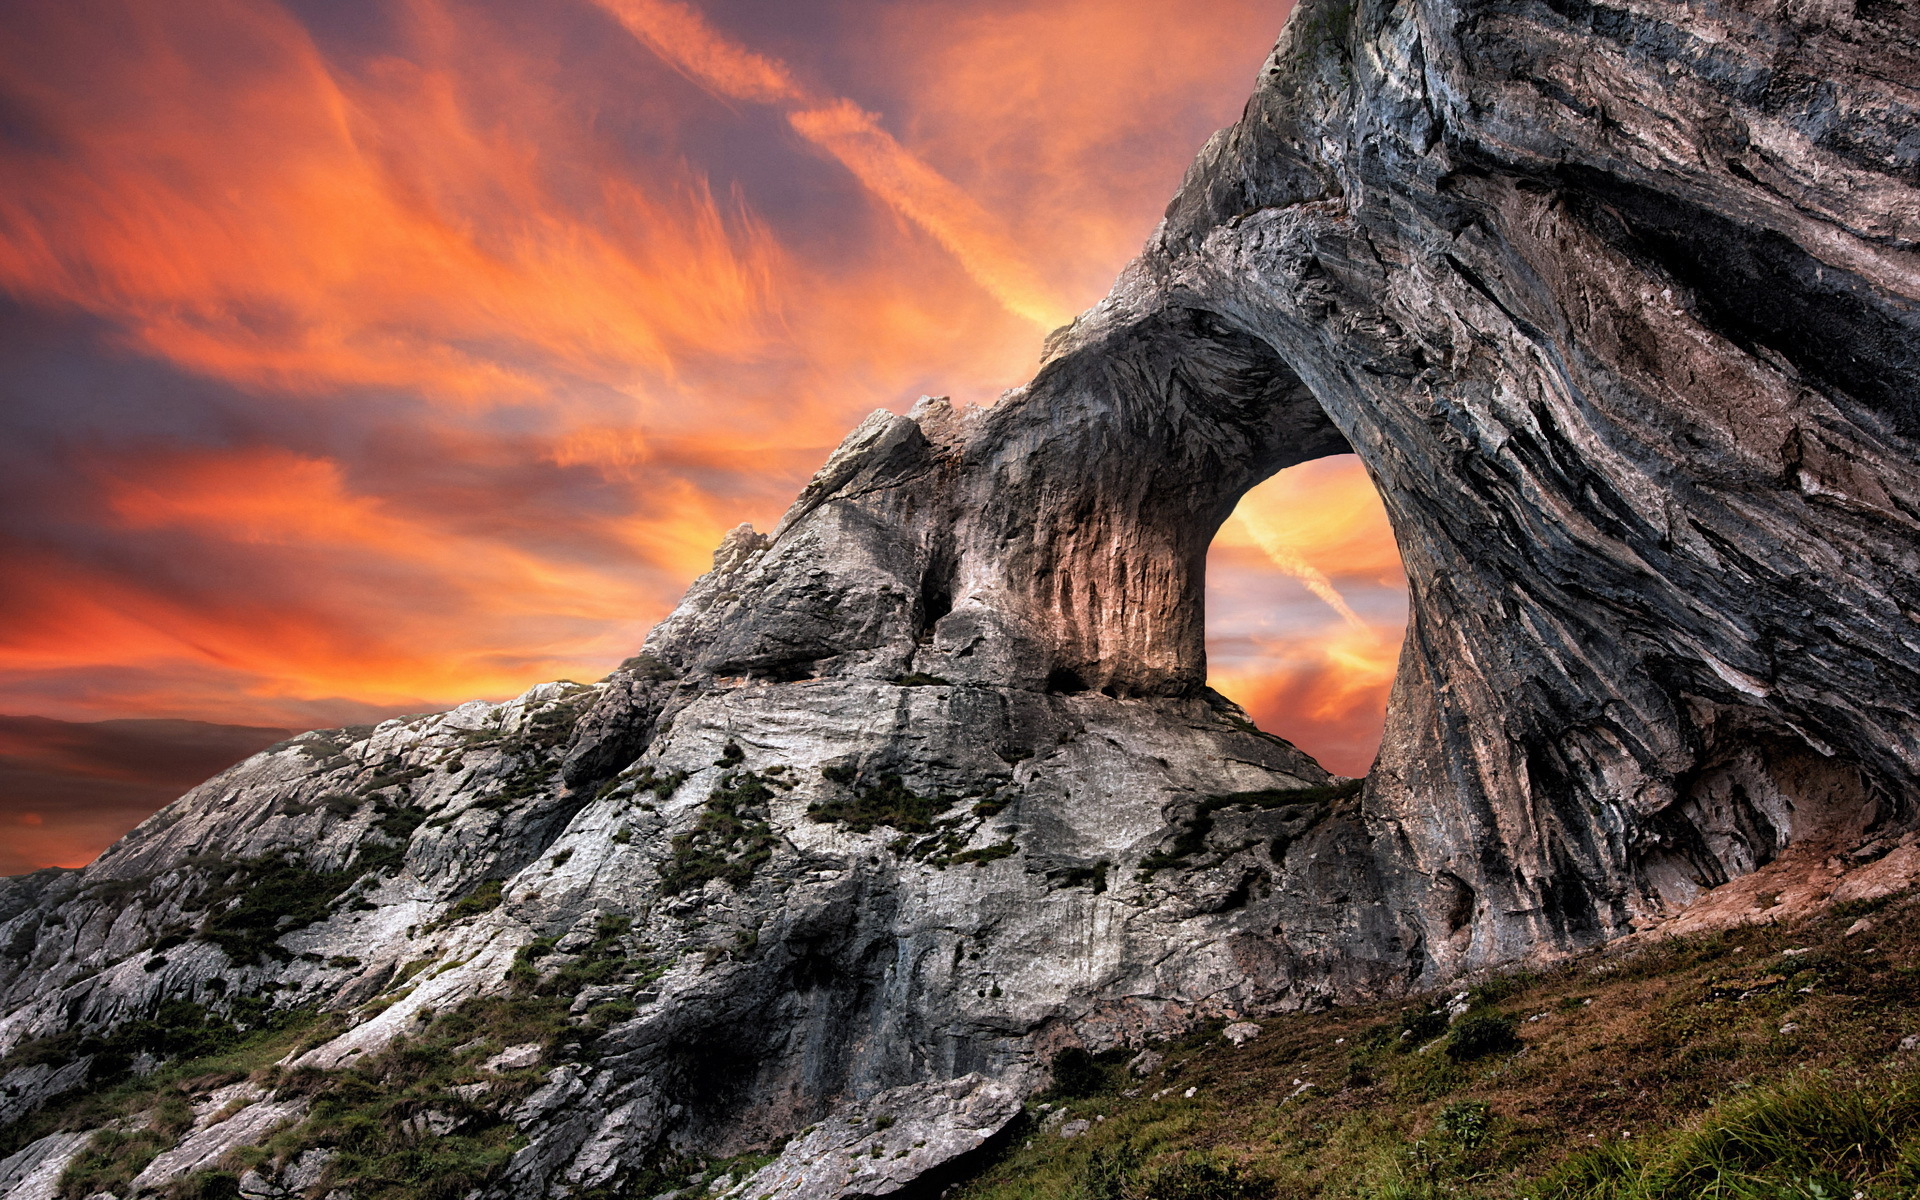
[1617,304]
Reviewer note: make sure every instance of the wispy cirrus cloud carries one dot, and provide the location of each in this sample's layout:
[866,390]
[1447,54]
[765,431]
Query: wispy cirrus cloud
[357,360]
[855,137]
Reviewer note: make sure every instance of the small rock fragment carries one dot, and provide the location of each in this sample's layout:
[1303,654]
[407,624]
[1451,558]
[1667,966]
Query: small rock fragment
[1146,1063]
[1075,1128]
[1241,1032]
[514,1058]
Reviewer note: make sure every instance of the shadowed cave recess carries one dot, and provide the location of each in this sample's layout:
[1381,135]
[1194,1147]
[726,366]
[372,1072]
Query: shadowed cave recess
[925,784]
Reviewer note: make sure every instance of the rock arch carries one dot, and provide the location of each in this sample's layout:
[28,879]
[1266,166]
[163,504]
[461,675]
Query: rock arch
[1642,424]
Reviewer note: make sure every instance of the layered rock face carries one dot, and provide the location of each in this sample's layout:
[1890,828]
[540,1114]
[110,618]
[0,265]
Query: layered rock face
[1617,304]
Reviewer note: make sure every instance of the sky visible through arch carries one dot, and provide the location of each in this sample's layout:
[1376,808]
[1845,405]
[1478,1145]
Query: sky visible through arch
[359,358]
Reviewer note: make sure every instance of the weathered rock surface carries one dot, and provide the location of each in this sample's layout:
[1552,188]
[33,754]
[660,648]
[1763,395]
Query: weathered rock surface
[1616,302]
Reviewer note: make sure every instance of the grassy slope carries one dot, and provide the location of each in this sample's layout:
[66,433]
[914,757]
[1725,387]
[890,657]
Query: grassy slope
[1718,1066]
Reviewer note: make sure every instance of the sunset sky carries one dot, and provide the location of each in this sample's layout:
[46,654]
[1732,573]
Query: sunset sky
[362,358]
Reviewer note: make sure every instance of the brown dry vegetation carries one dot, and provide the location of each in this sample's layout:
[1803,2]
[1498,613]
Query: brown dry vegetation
[1762,1062]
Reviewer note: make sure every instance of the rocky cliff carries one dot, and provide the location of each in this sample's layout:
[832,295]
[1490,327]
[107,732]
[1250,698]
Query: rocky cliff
[1617,304]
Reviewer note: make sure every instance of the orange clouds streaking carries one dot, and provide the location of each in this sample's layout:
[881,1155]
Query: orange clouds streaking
[343,593]
[930,201]
[247,209]
[853,136]
[1319,683]
[1325,513]
[1325,692]
[1319,519]
[682,37]
[1053,112]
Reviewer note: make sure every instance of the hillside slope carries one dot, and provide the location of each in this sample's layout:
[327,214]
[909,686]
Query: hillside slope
[1769,1062]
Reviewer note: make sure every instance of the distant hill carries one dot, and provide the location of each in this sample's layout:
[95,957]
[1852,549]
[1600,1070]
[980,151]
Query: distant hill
[68,789]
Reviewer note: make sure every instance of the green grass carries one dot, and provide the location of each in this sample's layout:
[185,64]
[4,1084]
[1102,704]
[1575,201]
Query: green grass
[113,1157]
[733,836]
[1640,1073]
[887,802]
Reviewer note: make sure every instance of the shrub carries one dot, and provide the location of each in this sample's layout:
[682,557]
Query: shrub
[1205,1179]
[886,802]
[731,839]
[205,1185]
[1467,1122]
[646,666]
[984,854]
[1478,1036]
[1419,1026]
[1077,1073]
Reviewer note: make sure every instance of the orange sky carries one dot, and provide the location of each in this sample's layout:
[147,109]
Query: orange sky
[367,357]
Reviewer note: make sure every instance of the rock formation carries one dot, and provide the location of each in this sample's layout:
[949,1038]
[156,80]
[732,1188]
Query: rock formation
[1617,302]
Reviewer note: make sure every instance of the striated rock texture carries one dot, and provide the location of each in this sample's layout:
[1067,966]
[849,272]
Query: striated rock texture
[1616,302]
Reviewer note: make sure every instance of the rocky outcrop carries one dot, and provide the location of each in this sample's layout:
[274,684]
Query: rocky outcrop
[1617,304]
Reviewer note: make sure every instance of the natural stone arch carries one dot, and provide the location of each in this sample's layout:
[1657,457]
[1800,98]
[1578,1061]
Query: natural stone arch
[1619,309]
[1642,524]
[1083,530]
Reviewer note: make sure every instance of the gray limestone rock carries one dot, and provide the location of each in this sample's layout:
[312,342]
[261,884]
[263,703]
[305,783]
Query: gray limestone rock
[26,1089]
[1618,304]
[880,1147]
[33,1172]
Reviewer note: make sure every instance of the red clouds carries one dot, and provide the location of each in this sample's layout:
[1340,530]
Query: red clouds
[361,359]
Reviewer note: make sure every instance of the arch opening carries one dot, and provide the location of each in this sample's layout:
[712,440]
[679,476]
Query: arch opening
[1306,609]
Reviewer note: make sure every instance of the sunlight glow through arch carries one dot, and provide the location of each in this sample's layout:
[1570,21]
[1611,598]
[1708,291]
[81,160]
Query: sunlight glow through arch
[1310,651]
